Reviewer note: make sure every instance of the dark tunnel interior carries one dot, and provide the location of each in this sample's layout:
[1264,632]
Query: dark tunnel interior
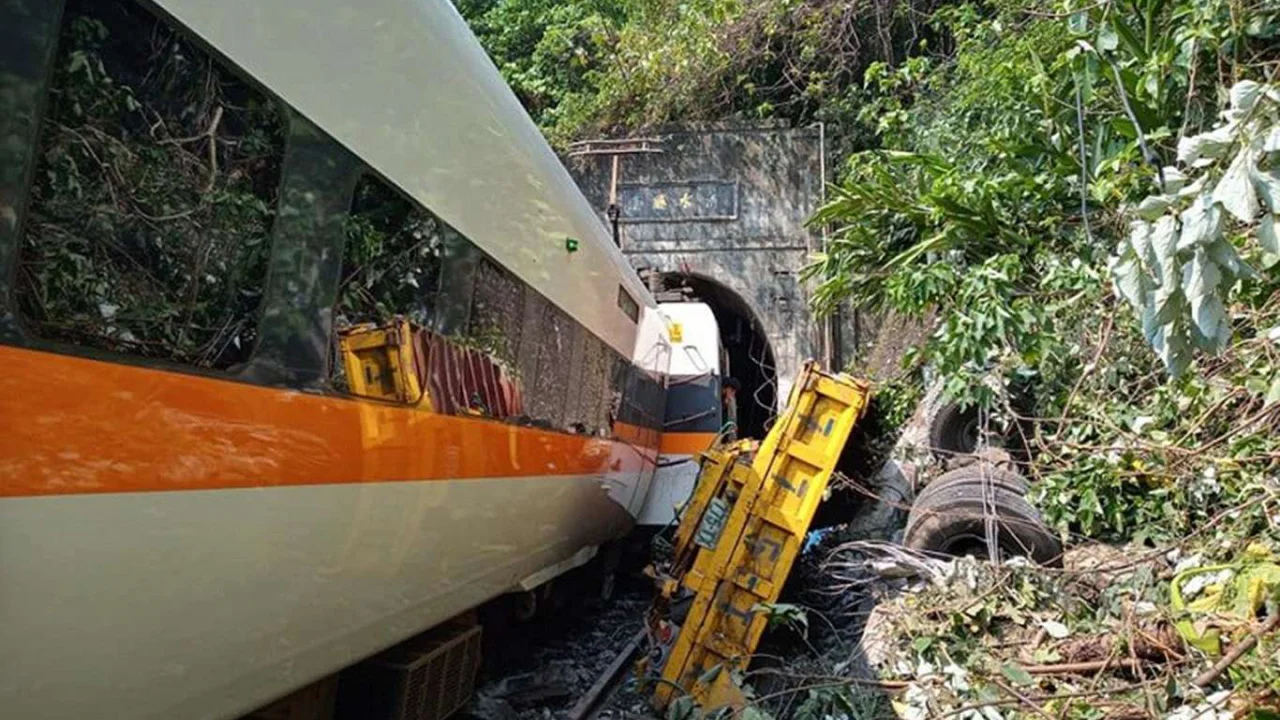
[750,358]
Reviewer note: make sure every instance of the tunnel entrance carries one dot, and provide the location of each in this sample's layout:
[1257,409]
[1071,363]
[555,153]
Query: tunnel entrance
[746,347]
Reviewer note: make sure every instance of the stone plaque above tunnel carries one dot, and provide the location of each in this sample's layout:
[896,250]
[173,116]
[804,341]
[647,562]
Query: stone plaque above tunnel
[692,201]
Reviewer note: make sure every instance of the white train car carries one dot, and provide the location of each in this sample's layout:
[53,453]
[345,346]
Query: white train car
[196,515]
[693,413]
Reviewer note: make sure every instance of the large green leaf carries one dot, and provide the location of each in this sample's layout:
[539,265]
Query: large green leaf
[1213,331]
[1224,255]
[1235,190]
[1154,206]
[1200,281]
[1173,178]
[1201,223]
[1244,96]
[1268,186]
[1267,237]
[1140,241]
[1210,145]
[1130,281]
[1164,250]
[1200,276]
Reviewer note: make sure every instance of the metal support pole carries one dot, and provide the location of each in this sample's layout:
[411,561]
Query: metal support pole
[615,149]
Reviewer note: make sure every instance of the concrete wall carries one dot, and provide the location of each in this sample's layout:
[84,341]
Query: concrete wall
[729,205]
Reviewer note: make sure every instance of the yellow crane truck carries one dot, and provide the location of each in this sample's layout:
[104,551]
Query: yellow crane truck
[738,536]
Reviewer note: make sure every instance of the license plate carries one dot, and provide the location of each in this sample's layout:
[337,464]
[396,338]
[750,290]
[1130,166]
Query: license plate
[712,524]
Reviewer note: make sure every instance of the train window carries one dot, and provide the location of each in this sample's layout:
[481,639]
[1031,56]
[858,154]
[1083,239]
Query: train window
[552,356]
[596,391]
[497,312]
[391,264]
[306,260]
[28,33]
[628,304]
[153,196]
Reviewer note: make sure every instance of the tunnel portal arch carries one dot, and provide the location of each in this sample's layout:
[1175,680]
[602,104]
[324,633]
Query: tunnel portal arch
[747,347]
[727,205]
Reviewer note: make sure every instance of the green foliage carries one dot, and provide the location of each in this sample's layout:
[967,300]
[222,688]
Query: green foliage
[842,701]
[1007,165]
[895,401]
[549,51]
[966,217]
[391,262]
[1178,266]
[788,614]
[991,635]
[900,211]
[1139,458]
[990,188]
[990,157]
[587,67]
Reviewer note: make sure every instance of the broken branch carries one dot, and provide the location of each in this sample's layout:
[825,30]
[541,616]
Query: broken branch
[1208,676]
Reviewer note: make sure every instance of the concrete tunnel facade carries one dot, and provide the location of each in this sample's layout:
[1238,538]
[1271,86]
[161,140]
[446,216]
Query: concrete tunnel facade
[726,205]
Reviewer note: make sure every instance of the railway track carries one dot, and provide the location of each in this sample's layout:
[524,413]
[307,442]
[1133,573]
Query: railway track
[597,696]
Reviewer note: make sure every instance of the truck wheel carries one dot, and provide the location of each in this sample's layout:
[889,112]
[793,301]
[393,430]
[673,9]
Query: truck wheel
[952,520]
[977,473]
[955,430]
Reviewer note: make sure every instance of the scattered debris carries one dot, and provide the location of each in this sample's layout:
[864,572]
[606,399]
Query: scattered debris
[566,654]
[536,688]
[589,705]
[891,631]
[870,627]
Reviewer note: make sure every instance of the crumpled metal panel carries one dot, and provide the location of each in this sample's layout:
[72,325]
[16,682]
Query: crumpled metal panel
[464,380]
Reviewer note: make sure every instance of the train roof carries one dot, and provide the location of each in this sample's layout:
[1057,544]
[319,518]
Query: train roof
[406,86]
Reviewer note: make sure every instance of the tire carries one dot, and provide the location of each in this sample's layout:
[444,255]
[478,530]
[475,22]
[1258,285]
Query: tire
[955,431]
[950,521]
[976,474]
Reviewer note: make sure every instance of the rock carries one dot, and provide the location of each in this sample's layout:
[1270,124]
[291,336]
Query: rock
[881,518]
[487,707]
[877,642]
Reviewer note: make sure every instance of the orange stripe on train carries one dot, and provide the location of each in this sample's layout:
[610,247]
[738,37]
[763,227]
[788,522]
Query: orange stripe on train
[79,426]
[685,443]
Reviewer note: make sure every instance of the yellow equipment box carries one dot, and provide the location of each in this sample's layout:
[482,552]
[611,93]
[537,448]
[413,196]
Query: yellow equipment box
[379,362]
[739,535]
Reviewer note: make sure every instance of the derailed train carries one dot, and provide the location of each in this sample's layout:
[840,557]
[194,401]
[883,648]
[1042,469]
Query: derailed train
[197,515]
